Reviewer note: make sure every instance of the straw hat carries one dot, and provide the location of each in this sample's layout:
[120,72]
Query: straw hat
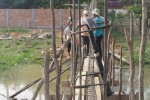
[96,12]
[85,12]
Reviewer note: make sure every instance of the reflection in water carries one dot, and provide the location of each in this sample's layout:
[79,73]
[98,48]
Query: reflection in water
[126,79]
[14,79]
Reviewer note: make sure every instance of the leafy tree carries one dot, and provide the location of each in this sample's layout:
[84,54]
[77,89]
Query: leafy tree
[100,5]
[112,15]
[4,4]
[28,4]
[136,9]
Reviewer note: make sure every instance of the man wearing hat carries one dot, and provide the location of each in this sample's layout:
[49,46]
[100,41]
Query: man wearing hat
[99,20]
[85,35]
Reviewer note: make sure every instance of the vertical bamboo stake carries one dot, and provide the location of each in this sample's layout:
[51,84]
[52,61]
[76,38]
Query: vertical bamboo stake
[105,50]
[120,75]
[73,68]
[80,57]
[142,48]
[38,89]
[108,47]
[132,68]
[54,52]
[110,63]
[108,42]
[113,63]
[46,74]
[61,56]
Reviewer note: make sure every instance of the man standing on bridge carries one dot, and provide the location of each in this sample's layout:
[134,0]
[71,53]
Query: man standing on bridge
[98,34]
[85,35]
[68,36]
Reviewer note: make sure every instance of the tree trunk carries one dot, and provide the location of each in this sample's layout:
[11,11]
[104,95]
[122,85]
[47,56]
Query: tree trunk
[142,49]
[54,51]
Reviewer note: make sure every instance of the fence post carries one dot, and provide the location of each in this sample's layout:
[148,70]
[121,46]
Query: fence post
[33,18]
[7,16]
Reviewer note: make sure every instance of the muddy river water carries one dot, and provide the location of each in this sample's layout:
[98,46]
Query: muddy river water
[14,79]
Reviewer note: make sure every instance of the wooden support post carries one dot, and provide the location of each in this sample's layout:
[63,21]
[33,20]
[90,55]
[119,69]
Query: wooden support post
[77,91]
[80,57]
[120,75]
[108,42]
[38,89]
[24,88]
[132,67]
[113,63]
[109,62]
[46,74]
[105,50]
[41,82]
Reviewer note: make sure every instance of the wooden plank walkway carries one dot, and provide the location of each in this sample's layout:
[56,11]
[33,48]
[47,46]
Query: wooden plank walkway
[92,92]
[77,91]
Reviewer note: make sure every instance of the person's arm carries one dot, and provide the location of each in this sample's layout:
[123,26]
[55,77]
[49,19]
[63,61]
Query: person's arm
[65,34]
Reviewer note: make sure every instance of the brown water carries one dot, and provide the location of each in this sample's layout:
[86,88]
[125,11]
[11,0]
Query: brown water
[14,79]
[146,81]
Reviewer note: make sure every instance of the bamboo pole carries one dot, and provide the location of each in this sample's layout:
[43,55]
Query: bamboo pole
[132,68]
[46,74]
[61,33]
[108,47]
[110,64]
[73,68]
[86,86]
[113,63]
[54,51]
[50,68]
[38,89]
[42,81]
[32,83]
[143,48]
[24,88]
[105,49]
[61,73]
[80,57]
[120,75]
[108,41]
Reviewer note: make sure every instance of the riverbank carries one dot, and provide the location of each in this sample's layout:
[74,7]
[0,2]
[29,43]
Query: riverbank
[31,50]
[120,39]
[22,51]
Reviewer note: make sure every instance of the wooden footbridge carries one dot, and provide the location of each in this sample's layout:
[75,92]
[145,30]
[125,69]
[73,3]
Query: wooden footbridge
[91,77]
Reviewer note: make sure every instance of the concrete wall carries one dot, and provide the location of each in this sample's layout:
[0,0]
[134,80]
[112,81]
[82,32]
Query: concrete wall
[32,18]
[122,11]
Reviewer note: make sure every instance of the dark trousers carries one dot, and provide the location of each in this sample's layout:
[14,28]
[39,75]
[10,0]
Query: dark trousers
[85,42]
[69,48]
[98,41]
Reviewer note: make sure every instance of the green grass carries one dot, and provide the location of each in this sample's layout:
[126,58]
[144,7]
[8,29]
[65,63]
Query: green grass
[22,52]
[7,30]
[120,39]
[29,51]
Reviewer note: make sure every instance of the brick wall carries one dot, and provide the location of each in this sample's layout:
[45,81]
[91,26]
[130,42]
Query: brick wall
[32,18]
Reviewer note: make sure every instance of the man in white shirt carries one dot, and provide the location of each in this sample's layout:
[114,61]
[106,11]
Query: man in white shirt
[68,36]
